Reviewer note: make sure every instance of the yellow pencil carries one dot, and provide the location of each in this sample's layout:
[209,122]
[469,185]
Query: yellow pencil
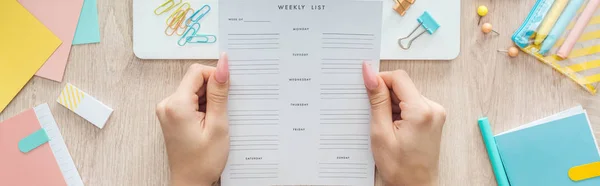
[550,20]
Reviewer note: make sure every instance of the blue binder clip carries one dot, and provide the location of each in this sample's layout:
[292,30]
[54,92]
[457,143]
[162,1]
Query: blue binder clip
[425,21]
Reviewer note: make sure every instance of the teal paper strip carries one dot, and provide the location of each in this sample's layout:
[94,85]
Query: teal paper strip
[88,27]
[33,141]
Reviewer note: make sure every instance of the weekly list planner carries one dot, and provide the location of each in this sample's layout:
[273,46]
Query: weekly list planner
[298,108]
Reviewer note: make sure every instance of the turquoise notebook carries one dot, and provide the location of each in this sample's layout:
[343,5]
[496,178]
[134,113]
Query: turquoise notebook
[541,154]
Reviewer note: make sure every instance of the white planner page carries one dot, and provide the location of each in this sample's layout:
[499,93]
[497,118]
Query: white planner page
[298,108]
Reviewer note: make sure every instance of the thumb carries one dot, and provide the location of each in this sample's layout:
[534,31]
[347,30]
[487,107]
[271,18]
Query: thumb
[217,91]
[381,104]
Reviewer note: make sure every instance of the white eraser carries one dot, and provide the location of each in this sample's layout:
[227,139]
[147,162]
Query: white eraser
[84,105]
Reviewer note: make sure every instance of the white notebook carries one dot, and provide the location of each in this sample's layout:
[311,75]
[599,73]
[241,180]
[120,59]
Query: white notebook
[298,108]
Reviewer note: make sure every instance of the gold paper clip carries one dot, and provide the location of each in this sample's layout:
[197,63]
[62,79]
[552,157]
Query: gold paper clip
[175,23]
[170,4]
[178,16]
[181,8]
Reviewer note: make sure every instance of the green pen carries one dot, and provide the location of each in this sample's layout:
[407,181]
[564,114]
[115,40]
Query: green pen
[492,150]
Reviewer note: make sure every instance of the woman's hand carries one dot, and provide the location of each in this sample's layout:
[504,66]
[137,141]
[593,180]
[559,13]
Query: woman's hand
[406,129]
[195,125]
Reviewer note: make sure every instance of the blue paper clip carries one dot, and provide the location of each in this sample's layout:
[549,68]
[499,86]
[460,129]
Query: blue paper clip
[202,38]
[427,22]
[199,14]
[187,35]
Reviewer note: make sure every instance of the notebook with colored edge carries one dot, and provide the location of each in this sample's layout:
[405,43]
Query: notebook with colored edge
[47,164]
[542,152]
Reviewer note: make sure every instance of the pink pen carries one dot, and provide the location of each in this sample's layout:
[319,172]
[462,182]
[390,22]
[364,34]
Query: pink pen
[577,30]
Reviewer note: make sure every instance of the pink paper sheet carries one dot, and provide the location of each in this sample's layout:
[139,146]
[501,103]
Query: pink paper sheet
[38,167]
[60,16]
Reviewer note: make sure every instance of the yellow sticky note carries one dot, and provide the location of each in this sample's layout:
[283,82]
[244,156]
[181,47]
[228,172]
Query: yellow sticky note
[25,44]
[583,172]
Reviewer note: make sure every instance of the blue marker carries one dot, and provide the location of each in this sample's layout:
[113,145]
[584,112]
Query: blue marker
[561,24]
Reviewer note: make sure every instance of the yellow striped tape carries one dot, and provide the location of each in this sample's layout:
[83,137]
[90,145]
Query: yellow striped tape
[584,51]
[553,61]
[593,78]
[70,97]
[585,66]
[585,37]
[593,21]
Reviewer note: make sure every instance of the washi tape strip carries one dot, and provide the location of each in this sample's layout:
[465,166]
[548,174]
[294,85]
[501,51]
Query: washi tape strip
[584,172]
[33,141]
[84,105]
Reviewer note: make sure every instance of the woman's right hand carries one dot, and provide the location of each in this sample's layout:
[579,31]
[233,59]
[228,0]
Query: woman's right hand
[406,129]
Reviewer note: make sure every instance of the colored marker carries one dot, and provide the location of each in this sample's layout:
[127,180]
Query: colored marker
[560,26]
[492,150]
[550,20]
[582,21]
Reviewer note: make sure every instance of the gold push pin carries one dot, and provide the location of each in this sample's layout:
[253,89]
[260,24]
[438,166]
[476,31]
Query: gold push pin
[482,11]
[487,28]
[512,51]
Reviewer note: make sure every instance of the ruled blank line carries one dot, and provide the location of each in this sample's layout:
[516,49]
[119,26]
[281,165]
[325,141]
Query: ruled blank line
[242,69]
[254,136]
[252,39]
[252,149]
[357,63]
[253,60]
[341,38]
[253,43]
[343,144]
[344,59]
[358,48]
[264,73]
[253,64]
[254,120]
[354,177]
[267,140]
[344,135]
[246,177]
[348,34]
[343,163]
[256,34]
[346,168]
[253,98]
[261,168]
[257,21]
[344,114]
[341,68]
[265,48]
[345,43]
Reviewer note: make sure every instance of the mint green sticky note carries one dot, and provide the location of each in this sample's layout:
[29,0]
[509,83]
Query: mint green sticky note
[88,28]
[33,141]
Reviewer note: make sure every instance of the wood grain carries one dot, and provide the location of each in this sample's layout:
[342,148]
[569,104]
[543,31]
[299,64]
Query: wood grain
[480,82]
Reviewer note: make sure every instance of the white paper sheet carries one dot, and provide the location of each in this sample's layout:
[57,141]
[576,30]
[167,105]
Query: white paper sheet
[298,108]
[58,146]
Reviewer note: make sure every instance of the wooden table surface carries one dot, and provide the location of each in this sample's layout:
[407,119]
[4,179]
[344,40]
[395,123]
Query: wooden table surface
[480,82]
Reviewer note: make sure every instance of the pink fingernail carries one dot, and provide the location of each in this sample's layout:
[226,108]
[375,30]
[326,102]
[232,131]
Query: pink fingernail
[369,77]
[222,72]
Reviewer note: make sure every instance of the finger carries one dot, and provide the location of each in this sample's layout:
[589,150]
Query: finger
[381,105]
[395,103]
[217,95]
[194,79]
[438,110]
[403,87]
